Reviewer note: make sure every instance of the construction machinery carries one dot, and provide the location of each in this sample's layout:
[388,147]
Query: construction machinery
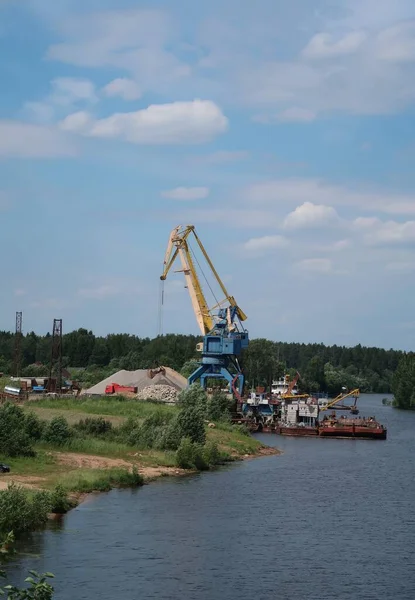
[336,403]
[224,336]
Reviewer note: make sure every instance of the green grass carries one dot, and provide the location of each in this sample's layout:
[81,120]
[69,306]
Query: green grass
[40,465]
[91,480]
[232,441]
[102,406]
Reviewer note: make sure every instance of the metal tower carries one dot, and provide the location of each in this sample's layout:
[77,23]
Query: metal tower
[17,356]
[55,370]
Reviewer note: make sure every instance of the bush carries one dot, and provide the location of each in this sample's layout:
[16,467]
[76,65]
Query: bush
[190,424]
[211,454]
[184,454]
[218,407]
[14,440]
[34,427]
[21,510]
[97,426]
[58,432]
[193,397]
[59,500]
[190,456]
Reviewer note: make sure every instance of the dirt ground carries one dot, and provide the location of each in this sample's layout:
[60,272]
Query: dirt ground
[75,461]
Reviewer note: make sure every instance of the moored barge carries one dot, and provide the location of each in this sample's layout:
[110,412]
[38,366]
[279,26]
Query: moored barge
[364,427]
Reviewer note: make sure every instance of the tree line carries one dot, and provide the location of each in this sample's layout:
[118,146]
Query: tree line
[322,368]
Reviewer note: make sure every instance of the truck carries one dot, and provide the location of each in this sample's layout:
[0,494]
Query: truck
[116,388]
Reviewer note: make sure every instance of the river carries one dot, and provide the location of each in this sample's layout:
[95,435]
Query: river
[327,519]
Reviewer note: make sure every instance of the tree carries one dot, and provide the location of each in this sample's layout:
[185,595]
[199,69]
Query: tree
[14,440]
[403,385]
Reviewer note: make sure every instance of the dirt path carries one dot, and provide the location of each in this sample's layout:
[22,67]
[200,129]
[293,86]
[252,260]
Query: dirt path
[27,481]
[86,461]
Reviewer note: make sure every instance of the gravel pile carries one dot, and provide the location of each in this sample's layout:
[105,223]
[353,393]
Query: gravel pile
[141,380]
[159,393]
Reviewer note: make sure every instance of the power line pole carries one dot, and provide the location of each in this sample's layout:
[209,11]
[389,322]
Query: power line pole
[17,356]
[56,357]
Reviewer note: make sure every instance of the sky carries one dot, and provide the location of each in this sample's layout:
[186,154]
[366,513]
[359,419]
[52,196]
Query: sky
[284,131]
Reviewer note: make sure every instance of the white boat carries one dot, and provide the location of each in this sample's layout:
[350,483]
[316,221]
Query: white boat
[281,386]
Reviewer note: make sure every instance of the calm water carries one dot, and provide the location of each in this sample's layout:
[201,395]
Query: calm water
[328,519]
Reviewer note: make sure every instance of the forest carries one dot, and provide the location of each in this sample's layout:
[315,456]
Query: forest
[90,358]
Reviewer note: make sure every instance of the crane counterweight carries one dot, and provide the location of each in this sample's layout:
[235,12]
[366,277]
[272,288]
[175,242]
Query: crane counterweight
[224,337]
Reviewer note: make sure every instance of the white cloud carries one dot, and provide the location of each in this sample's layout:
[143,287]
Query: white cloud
[265,244]
[66,93]
[69,90]
[310,215]
[352,62]
[193,122]
[186,193]
[366,222]
[323,45]
[24,140]
[391,232]
[397,43]
[133,40]
[20,292]
[79,122]
[295,190]
[126,88]
[316,265]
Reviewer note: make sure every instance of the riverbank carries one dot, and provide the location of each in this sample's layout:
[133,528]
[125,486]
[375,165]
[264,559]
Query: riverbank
[87,464]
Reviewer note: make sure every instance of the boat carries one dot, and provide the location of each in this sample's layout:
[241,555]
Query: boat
[297,430]
[300,417]
[360,427]
[284,385]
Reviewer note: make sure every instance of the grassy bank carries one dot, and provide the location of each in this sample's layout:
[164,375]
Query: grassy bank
[84,445]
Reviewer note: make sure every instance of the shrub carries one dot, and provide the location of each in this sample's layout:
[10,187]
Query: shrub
[21,510]
[218,407]
[184,454]
[59,501]
[14,440]
[211,454]
[169,438]
[153,429]
[190,424]
[34,427]
[58,432]
[190,456]
[97,426]
[193,397]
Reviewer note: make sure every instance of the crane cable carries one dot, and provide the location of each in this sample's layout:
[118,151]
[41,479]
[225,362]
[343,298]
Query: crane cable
[201,270]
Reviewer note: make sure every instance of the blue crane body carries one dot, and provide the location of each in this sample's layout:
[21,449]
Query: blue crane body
[224,337]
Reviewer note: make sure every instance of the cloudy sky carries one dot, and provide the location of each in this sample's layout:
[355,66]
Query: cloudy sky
[284,131]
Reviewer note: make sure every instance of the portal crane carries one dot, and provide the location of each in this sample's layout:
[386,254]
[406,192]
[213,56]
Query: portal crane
[224,336]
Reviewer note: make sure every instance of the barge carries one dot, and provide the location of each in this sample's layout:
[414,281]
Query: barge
[364,427]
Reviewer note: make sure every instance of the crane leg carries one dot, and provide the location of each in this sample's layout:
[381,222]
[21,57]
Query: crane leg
[216,371]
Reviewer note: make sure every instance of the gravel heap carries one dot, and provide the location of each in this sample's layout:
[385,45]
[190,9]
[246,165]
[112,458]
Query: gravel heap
[141,380]
[159,393]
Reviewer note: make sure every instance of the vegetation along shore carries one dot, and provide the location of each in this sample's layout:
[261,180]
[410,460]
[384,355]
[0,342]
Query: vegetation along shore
[61,449]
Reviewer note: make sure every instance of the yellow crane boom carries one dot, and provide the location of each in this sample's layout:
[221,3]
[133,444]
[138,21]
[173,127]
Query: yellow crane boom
[355,393]
[178,246]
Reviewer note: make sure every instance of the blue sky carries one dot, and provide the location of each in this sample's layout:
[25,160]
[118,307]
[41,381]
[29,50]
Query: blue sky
[284,131]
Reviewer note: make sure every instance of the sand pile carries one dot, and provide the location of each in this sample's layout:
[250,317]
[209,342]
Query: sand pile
[141,380]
